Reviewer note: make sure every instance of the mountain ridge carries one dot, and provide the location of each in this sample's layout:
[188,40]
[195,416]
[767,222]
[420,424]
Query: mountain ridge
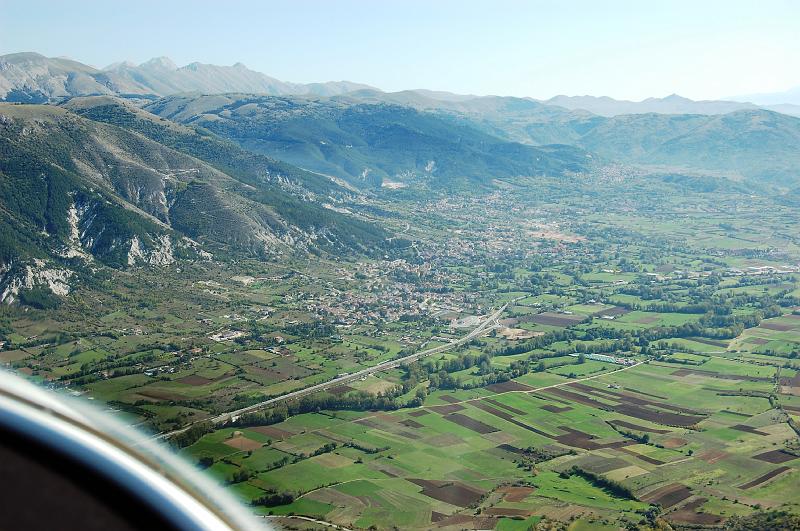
[368,144]
[30,77]
[672,104]
[790,96]
[33,78]
[78,193]
[762,142]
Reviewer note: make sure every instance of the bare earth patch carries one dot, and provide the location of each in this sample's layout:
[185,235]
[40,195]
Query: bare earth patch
[668,495]
[673,442]
[241,442]
[764,478]
[194,380]
[446,410]
[690,514]
[748,429]
[452,492]
[775,456]
[515,494]
[472,424]
[556,319]
[508,386]
[516,334]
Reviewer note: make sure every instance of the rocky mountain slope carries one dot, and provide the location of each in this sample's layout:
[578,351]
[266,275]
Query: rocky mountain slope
[77,193]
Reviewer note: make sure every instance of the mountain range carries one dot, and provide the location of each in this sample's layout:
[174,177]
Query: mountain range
[749,143]
[98,182]
[369,144]
[152,165]
[33,78]
[371,138]
[673,104]
[786,97]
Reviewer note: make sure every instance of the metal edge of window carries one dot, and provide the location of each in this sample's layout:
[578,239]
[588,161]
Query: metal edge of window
[173,488]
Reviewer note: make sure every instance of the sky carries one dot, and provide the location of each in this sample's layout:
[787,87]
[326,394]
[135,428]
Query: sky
[701,49]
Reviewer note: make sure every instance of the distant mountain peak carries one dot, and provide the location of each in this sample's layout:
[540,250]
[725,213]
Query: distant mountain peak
[675,98]
[120,65]
[21,56]
[164,63]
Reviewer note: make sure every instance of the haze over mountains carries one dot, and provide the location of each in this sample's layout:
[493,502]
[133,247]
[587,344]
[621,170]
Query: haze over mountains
[148,165]
[672,104]
[791,97]
[33,78]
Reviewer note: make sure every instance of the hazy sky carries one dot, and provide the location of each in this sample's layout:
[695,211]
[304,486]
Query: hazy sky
[625,49]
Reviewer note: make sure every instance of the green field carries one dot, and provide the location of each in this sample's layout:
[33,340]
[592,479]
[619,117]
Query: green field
[694,373]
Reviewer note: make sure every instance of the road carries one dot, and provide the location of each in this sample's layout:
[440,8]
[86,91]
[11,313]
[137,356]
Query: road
[490,321]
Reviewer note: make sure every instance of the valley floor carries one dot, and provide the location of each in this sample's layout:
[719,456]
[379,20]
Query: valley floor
[643,371]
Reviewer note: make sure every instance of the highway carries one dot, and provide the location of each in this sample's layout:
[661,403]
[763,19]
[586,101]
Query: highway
[489,322]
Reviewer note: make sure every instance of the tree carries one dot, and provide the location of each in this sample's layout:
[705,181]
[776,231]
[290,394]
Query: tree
[240,476]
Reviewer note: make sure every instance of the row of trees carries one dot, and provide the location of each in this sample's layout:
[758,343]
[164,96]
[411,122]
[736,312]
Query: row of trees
[355,401]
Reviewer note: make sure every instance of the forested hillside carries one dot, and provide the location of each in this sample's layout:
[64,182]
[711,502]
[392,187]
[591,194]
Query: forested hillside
[368,144]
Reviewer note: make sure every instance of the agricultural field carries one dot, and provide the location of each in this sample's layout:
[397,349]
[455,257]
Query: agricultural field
[626,367]
[656,434]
